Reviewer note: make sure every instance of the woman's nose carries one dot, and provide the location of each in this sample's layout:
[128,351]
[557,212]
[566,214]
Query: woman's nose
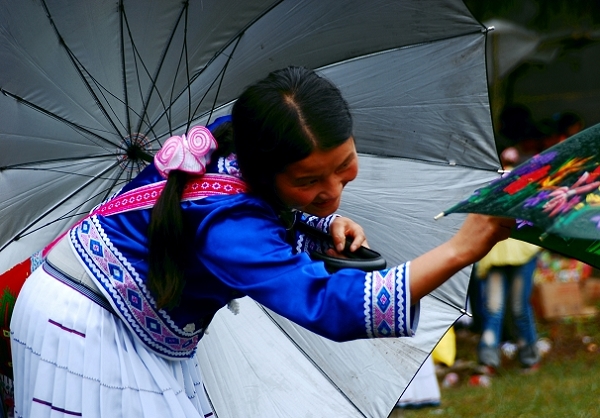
[333,186]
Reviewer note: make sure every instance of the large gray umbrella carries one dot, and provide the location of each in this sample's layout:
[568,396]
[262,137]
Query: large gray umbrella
[90,87]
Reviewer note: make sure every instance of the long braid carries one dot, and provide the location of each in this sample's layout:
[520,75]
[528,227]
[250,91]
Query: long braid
[167,243]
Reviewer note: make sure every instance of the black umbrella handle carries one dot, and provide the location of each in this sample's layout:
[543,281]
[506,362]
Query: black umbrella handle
[363,258]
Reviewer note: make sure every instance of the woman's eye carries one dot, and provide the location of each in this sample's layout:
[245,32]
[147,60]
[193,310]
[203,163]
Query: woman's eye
[344,166]
[306,183]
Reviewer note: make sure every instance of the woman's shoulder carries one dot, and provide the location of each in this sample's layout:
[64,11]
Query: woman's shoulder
[229,217]
[231,203]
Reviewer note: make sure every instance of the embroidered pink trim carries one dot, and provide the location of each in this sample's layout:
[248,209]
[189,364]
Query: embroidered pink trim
[145,197]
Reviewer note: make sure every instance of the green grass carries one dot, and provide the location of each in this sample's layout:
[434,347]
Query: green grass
[566,385]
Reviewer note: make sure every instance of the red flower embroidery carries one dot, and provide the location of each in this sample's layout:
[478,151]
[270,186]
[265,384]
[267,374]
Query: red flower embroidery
[526,179]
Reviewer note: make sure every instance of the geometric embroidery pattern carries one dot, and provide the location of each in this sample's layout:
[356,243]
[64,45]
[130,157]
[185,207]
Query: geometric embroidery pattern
[385,303]
[119,281]
[127,293]
[307,244]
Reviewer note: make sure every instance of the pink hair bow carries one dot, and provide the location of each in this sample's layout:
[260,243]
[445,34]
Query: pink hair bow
[189,153]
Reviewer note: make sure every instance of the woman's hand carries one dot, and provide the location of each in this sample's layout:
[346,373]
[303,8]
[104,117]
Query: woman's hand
[476,237]
[343,229]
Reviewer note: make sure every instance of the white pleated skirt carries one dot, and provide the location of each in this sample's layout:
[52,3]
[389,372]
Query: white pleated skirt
[423,390]
[72,358]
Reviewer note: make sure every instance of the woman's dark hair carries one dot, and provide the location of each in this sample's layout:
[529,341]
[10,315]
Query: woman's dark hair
[166,240]
[282,119]
[276,122]
[166,243]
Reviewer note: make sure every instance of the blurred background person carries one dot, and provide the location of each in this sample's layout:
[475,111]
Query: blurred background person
[505,277]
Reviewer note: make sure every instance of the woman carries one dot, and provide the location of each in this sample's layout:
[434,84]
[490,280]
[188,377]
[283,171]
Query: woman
[156,274]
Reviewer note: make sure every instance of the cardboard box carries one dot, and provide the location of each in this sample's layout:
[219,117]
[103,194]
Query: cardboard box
[591,290]
[557,300]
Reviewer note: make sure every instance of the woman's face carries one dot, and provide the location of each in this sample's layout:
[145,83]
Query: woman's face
[314,184]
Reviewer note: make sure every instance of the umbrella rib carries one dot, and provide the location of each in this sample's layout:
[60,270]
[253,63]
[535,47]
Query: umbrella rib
[27,165]
[79,67]
[153,88]
[236,38]
[179,95]
[185,58]
[54,116]
[184,52]
[136,57]
[118,176]
[29,232]
[461,310]
[23,231]
[190,81]
[310,359]
[124,69]
[222,73]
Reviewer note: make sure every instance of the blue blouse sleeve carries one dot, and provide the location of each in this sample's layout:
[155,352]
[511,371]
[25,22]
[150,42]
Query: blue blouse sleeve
[247,251]
[307,243]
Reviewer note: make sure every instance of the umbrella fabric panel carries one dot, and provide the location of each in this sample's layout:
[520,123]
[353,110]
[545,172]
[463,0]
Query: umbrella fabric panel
[427,103]
[388,364]
[145,37]
[317,33]
[29,203]
[259,351]
[250,369]
[396,200]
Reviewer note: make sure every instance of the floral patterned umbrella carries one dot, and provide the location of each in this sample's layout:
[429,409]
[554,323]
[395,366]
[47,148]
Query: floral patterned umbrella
[555,196]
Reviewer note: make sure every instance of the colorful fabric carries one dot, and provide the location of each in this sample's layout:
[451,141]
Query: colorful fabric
[146,196]
[555,196]
[305,243]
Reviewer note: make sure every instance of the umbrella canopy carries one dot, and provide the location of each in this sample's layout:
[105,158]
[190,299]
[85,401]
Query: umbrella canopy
[555,195]
[90,90]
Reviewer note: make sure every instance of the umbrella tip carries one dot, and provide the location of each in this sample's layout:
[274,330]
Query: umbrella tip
[439,215]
